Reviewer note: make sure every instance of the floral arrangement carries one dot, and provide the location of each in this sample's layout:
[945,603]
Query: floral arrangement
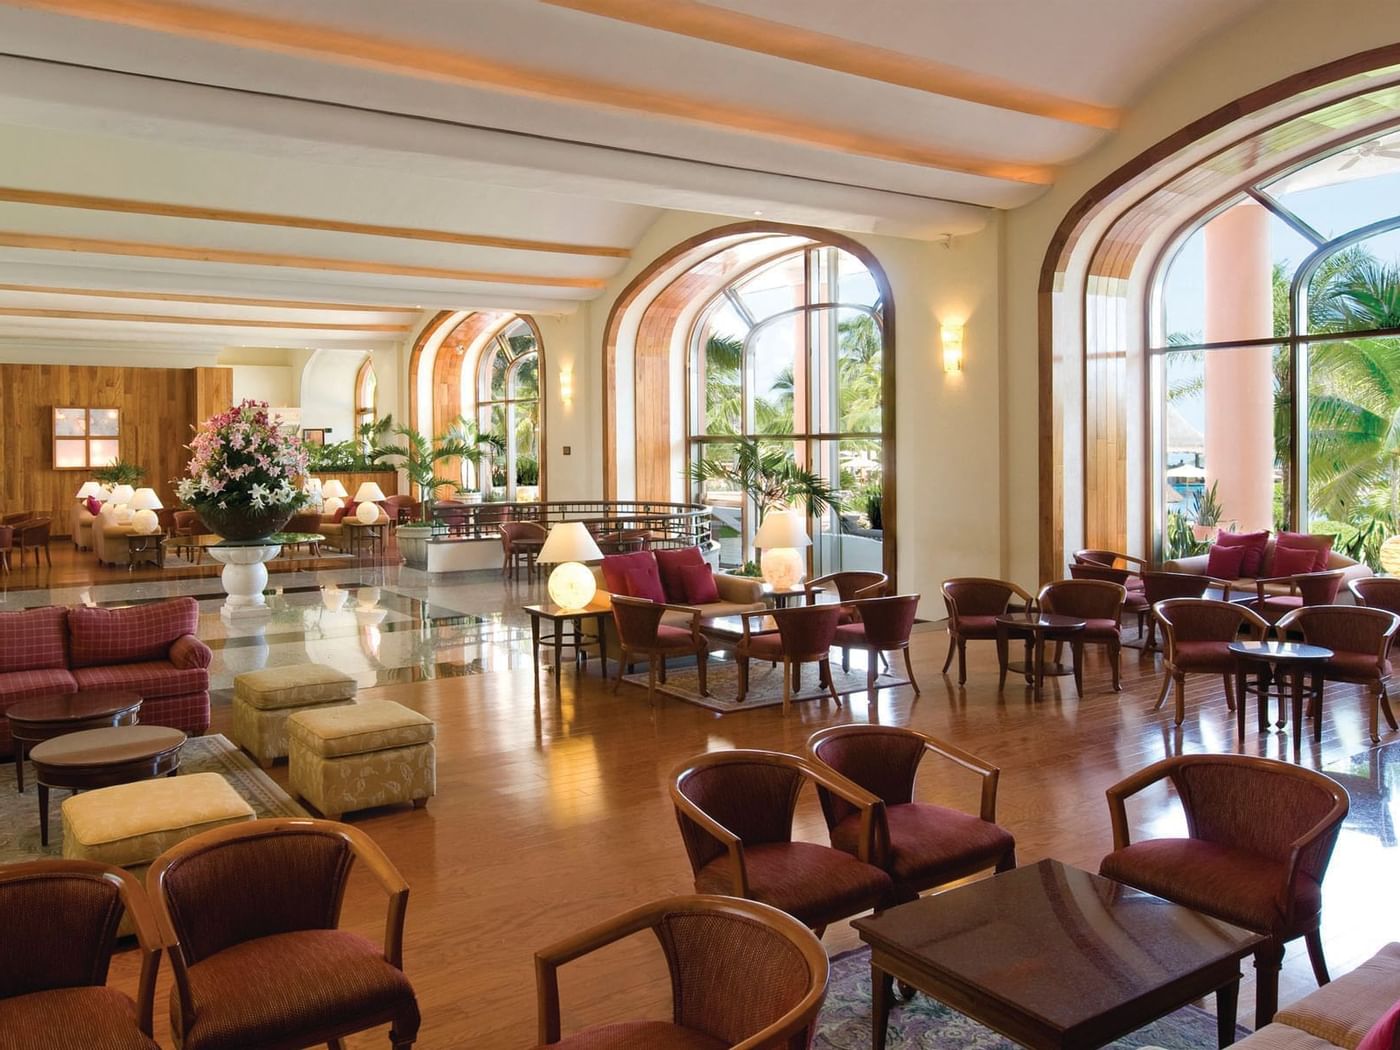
[243,460]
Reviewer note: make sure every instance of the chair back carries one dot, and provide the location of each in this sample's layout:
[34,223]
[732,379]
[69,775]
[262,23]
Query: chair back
[1344,628]
[187,523]
[1206,620]
[1160,586]
[305,521]
[1089,599]
[750,793]
[33,533]
[1319,588]
[519,530]
[854,585]
[881,759]
[1377,592]
[637,620]
[808,631]
[1108,559]
[7,537]
[978,596]
[888,621]
[492,513]
[1086,570]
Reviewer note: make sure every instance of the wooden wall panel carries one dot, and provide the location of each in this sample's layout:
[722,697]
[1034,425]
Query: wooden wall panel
[213,392]
[388,480]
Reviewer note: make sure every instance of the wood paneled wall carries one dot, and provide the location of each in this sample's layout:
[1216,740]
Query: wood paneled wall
[158,407]
[387,480]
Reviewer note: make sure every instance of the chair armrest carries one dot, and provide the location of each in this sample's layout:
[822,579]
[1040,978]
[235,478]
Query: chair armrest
[1120,792]
[1224,585]
[870,806]
[1259,584]
[988,773]
[367,851]
[188,652]
[690,611]
[739,590]
[726,838]
[148,939]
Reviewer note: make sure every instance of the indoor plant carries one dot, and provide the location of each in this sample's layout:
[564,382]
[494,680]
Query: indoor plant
[768,476]
[419,456]
[119,472]
[241,476]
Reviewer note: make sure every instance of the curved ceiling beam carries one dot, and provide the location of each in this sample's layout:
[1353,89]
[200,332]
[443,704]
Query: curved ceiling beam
[425,62]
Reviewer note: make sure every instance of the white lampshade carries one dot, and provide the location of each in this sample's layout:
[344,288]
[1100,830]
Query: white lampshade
[145,522]
[782,528]
[369,492]
[367,513]
[145,499]
[122,494]
[333,489]
[90,488]
[104,493]
[569,541]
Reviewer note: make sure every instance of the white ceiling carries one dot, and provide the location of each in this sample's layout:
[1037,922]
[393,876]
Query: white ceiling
[518,119]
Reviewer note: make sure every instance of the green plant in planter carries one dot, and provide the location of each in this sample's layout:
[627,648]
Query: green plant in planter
[119,472]
[527,470]
[749,569]
[874,507]
[420,455]
[770,477]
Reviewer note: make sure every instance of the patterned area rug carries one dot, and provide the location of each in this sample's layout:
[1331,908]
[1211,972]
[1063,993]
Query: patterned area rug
[19,814]
[926,1024]
[765,685]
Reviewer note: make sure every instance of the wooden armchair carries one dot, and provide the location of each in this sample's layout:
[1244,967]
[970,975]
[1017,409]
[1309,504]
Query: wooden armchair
[1360,640]
[735,812]
[61,919]
[804,635]
[1100,604]
[249,913]
[743,975]
[1112,559]
[1303,589]
[1260,836]
[33,535]
[921,845]
[1377,592]
[640,632]
[1162,586]
[880,625]
[974,603]
[849,587]
[1198,633]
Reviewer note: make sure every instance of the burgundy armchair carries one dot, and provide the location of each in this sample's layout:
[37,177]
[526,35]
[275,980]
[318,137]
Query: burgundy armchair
[1162,586]
[1260,835]
[1360,639]
[735,812]
[1198,633]
[1135,603]
[61,919]
[249,913]
[1377,592]
[1099,603]
[880,625]
[641,633]
[849,587]
[804,635]
[743,975]
[920,844]
[1307,588]
[974,603]
[1111,559]
[33,535]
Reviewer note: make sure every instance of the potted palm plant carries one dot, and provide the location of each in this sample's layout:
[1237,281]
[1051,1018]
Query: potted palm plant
[768,476]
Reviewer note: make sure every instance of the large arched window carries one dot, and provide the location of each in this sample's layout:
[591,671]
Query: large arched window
[1275,347]
[506,397]
[790,354]
[366,394]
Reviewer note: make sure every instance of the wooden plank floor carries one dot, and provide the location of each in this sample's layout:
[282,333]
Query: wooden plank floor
[550,819]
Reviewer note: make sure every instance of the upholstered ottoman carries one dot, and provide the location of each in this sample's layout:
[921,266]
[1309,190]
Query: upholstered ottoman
[264,700]
[374,753]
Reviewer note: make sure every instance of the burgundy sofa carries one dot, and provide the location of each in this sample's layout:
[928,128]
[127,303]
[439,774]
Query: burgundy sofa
[149,649]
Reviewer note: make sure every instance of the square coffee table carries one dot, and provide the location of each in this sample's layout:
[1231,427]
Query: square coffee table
[1054,957]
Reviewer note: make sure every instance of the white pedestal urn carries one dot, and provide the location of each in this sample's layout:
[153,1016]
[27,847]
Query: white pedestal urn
[244,579]
[413,544]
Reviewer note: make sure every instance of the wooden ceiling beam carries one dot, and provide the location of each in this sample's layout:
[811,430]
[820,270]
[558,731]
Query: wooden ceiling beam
[206,300]
[214,322]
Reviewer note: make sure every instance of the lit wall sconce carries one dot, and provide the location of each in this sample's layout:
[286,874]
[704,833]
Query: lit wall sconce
[952,339]
[566,384]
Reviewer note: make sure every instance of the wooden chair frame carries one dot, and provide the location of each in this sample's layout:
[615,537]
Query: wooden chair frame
[1086,557]
[362,847]
[792,670]
[1379,695]
[1294,584]
[956,643]
[1077,641]
[1172,675]
[790,1031]
[872,670]
[656,658]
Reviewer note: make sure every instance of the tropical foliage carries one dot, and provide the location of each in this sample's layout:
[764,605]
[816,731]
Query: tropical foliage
[767,475]
[119,472]
[421,457]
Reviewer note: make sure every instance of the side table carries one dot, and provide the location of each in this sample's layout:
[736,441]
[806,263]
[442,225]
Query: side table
[1272,661]
[1037,629]
[560,620]
[45,717]
[145,549]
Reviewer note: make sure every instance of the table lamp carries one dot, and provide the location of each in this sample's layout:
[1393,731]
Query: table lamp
[368,496]
[335,495]
[120,500]
[571,584]
[782,532]
[145,503]
[90,488]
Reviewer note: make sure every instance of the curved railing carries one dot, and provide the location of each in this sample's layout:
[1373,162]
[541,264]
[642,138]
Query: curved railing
[665,524]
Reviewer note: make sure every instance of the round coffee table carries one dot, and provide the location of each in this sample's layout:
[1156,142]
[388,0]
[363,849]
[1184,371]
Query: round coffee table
[45,717]
[1272,660]
[1037,629]
[98,758]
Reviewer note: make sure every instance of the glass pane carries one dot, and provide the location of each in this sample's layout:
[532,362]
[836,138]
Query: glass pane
[1358,288]
[1347,190]
[69,453]
[854,283]
[1227,437]
[104,422]
[496,461]
[717,379]
[68,422]
[725,500]
[859,372]
[779,286]
[525,376]
[500,364]
[102,451]
[852,537]
[527,442]
[1353,467]
[775,375]
[520,337]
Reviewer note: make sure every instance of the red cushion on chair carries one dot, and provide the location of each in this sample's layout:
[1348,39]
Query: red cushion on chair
[1292,561]
[669,637]
[814,884]
[930,844]
[1320,545]
[617,566]
[1383,1034]
[671,566]
[698,584]
[1226,563]
[766,646]
[1205,657]
[1254,545]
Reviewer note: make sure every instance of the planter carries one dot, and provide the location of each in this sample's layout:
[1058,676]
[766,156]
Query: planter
[413,544]
[473,496]
[243,523]
[527,493]
[1205,532]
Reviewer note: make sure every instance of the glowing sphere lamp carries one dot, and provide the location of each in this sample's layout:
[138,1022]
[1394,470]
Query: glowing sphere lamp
[571,584]
[1390,556]
[780,536]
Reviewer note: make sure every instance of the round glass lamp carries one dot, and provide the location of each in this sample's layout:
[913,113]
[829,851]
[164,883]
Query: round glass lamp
[780,537]
[571,584]
[145,522]
[367,513]
[1390,556]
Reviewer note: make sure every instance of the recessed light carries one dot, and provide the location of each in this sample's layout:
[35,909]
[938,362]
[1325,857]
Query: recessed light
[758,213]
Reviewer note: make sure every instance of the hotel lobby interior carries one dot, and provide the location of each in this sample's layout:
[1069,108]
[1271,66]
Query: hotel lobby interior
[699,523]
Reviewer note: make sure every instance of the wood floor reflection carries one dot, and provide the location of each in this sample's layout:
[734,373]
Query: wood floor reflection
[550,819]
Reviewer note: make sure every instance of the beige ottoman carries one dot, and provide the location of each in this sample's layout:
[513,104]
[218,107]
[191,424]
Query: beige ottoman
[130,825]
[369,754]
[264,700]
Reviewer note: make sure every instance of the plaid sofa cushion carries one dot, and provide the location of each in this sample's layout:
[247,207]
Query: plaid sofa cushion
[150,679]
[34,639]
[123,636]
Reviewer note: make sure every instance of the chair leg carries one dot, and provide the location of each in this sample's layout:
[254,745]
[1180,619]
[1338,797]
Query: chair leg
[825,666]
[621,669]
[743,662]
[1007,862]
[952,645]
[661,677]
[1268,960]
[1313,939]
[1166,687]
[845,658]
[909,670]
[1180,698]
[962,660]
[1115,653]
[335,1044]
[1385,707]
[48,557]
[1373,716]
[651,679]
[1229,693]
[870,674]
[702,661]
[787,685]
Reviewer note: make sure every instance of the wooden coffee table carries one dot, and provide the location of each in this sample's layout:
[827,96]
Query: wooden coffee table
[1055,958]
[45,717]
[1272,662]
[1038,628]
[98,758]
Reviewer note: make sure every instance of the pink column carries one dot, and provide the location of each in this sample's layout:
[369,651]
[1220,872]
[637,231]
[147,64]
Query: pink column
[1239,392]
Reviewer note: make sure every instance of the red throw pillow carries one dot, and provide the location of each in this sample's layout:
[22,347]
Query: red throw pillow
[671,564]
[1320,545]
[1225,563]
[617,566]
[645,583]
[1253,544]
[699,583]
[1384,1032]
[1290,561]
[93,505]
[34,640]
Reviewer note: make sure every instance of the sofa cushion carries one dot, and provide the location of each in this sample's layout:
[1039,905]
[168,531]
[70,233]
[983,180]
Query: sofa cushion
[376,725]
[300,685]
[1225,563]
[616,567]
[1292,561]
[26,685]
[150,678]
[137,633]
[697,585]
[814,884]
[1343,1011]
[1281,1037]
[1320,545]
[133,824]
[670,565]
[34,639]
[1255,545]
[643,582]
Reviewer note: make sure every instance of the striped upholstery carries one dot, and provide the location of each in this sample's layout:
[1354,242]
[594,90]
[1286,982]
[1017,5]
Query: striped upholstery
[1343,1011]
[34,639]
[141,632]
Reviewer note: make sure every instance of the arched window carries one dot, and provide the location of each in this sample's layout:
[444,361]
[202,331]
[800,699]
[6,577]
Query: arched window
[366,394]
[506,398]
[790,354]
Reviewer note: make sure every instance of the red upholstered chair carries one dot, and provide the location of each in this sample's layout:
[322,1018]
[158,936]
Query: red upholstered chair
[33,535]
[1377,592]
[880,625]
[1261,834]
[1163,586]
[743,975]
[849,587]
[1135,603]
[973,604]
[735,813]
[60,928]
[514,554]
[641,633]
[402,510]
[1360,638]
[1198,633]
[921,845]
[1307,588]
[1100,604]
[249,915]
[804,635]
[1111,559]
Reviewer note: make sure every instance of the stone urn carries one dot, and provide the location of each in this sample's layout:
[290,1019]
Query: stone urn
[243,523]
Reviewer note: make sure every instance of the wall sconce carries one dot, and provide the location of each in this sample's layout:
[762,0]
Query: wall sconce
[952,338]
[566,384]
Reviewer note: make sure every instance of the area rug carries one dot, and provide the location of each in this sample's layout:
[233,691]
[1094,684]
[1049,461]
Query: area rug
[926,1024]
[765,685]
[19,814]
